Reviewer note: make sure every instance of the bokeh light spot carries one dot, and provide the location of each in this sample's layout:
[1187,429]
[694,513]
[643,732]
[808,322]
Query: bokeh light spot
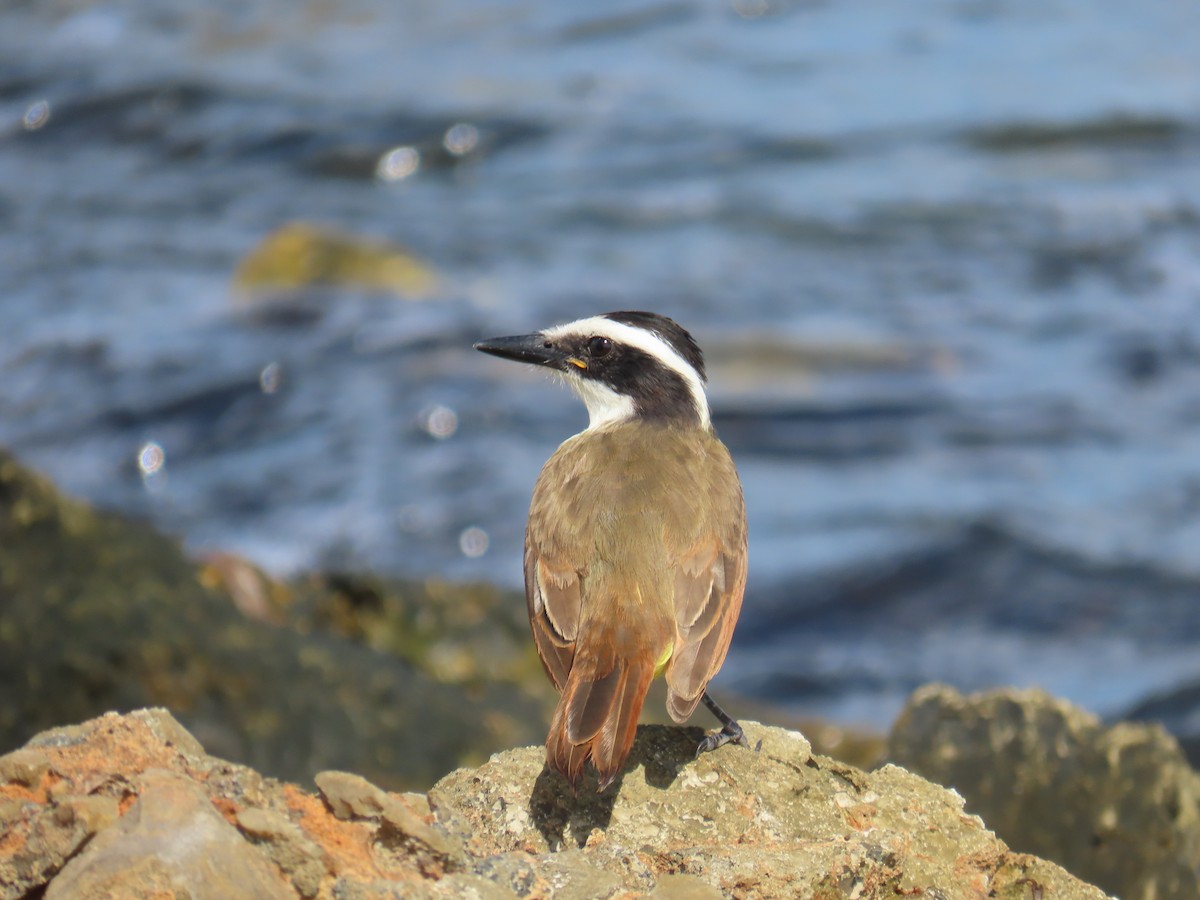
[473,542]
[151,458]
[439,421]
[461,139]
[398,163]
[270,378]
[36,116]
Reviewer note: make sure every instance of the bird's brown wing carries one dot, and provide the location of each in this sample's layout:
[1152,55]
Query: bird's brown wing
[552,595]
[710,579]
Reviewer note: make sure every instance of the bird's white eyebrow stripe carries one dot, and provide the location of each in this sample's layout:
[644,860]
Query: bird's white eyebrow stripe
[646,341]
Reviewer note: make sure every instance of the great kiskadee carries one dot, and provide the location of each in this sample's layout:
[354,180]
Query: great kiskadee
[635,551]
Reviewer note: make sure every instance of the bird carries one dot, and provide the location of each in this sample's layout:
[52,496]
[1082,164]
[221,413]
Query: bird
[636,544]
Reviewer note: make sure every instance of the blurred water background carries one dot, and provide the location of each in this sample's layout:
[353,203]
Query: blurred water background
[944,259]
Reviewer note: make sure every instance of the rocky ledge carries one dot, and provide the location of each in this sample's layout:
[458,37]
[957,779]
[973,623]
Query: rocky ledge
[1116,804]
[131,805]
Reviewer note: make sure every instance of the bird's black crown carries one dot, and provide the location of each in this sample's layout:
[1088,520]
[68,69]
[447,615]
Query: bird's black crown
[669,330]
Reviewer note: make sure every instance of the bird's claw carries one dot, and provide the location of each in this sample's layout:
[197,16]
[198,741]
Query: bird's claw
[729,734]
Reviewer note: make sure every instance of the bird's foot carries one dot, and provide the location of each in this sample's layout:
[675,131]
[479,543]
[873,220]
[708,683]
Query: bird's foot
[730,733]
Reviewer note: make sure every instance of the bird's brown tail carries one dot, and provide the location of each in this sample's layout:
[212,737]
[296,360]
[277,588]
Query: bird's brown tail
[597,718]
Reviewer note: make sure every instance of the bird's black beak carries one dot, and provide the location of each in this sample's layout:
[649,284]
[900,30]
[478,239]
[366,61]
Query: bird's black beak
[529,348]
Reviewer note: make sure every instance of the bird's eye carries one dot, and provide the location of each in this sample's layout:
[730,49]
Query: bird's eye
[599,346]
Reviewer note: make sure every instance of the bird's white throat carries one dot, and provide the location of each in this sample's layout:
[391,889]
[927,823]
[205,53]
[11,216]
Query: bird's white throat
[604,405]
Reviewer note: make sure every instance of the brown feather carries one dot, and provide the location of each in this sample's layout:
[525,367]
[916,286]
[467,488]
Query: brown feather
[693,585]
[589,702]
[561,754]
[707,604]
[615,740]
[550,588]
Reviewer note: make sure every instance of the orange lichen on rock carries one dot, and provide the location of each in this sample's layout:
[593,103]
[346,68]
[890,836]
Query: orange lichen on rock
[108,775]
[19,793]
[12,842]
[119,747]
[347,845]
[226,808]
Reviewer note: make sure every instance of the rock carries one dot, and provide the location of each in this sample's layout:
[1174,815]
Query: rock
[684,887]
[353,797]
[87,773]
[38,840]
[1178,710]
[131,806]
[101,613]
[298,857]
[300,255]
[349,796]
[778,822]
[161,815]
[172,840]
[24,767]
[1119,805]
[468,634]
[572,876]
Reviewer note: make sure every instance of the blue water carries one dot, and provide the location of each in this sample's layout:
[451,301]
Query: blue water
[944,258]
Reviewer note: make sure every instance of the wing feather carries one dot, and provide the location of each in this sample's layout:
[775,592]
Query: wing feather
[553,597]
[693,584]
[709,584]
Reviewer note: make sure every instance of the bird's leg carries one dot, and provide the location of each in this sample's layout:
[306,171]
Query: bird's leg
[731,731]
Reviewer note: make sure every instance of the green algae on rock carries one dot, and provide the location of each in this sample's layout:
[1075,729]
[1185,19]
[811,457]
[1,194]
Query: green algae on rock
[102,613]
[300,255]
[469,634]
